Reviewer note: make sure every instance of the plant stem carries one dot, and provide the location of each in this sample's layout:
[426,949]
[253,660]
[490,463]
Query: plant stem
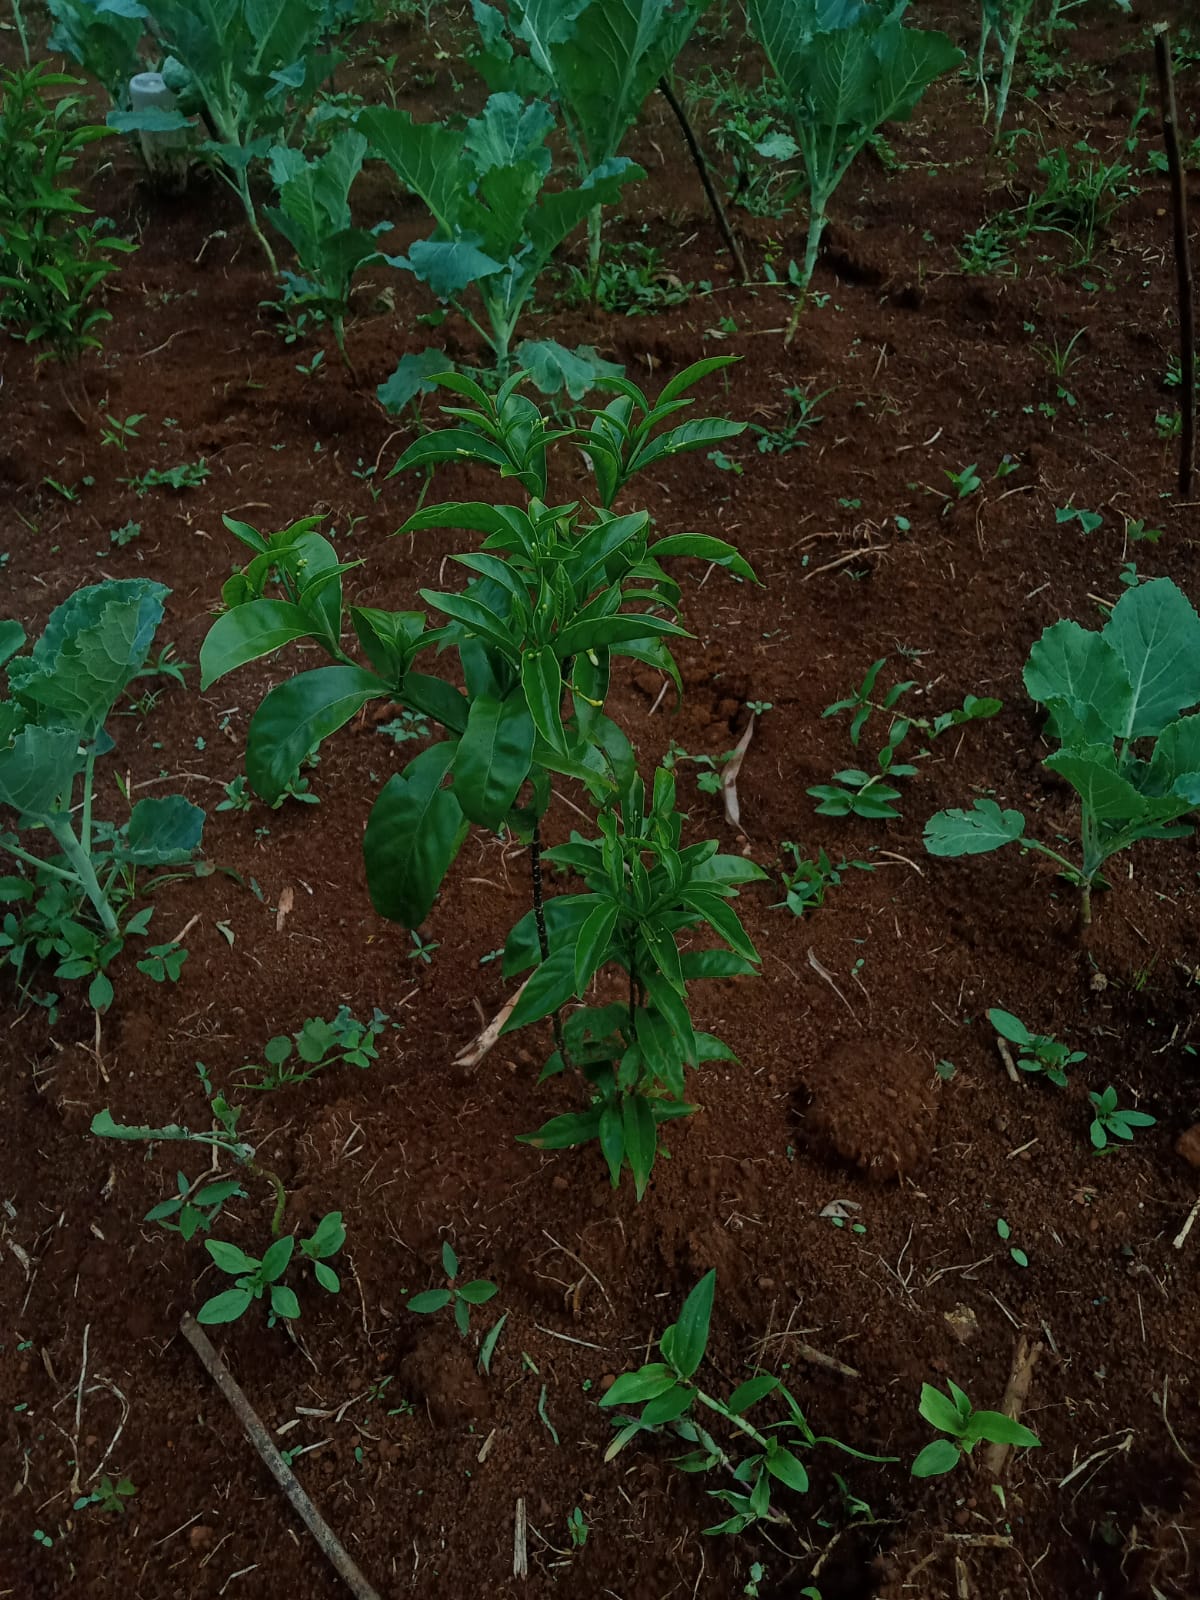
[85,873]
[539,917]
[280,1195]
[701,165]
[1183,262]
[36,862]
[1085,905]
[21,34]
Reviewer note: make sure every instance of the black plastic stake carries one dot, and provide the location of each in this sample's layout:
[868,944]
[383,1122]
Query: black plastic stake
[1183,260]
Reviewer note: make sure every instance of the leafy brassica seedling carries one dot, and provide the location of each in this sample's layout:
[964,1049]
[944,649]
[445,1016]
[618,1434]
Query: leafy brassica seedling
[463,1296]
[845,70]
[1108,1120]
[1038,1052]
[966,1427]
[1114,700]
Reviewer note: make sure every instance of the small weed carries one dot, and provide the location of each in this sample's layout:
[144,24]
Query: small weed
[125,534]
[966,1427]
[1108,1121]
[475,1293]
[120,433]
[577,1529]
[1005,1233]
[422,948]
[1088,521]
[342,1041]
[109,1496]
[188,475]
[1036,1052]
[802,416]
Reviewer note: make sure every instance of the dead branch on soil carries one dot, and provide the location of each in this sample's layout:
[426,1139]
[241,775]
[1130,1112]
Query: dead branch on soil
[1010,1065]
[1016,1393]
[278,1468]
[1180,1238]
[471,1055]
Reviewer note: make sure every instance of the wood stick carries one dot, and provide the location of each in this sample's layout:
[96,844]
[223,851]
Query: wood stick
[1183,260]
[1010,1065]
[701,165]
[472,1054]
[995,1457]
[278,1468]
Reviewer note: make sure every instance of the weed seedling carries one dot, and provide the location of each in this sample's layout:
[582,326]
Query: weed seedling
[577,1529]
[668,1396]
[475,1293]
[257,1279]
[109,1496]
[121,433]
[125,534]
[966,1427]
[1036,1052]
[196,1207]
[965,482]
[1108,1121]
[1088,521]
[188,475]
[342,1041]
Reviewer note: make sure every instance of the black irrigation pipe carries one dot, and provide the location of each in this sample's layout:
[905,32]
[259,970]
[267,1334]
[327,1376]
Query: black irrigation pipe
[1183,260]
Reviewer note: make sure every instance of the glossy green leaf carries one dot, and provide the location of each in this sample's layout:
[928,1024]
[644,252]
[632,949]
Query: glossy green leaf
[295,717]
[249,631]
[641,1140]
[541,679]
[685,1342]
[413,834]
[493,758]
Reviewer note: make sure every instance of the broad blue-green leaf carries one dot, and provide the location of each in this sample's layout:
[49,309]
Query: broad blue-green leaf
[553,367]
[295,716]
[1070,664]
[12,637]
[972,833]
[493,758]
[163,830]
[249,631]
[425,156]
[149,119]
[1175,763]
[37,769]
[1155,631]
[414,375]
[93,645]
[1108,796]
[413,835]
[448,266]
[508,132]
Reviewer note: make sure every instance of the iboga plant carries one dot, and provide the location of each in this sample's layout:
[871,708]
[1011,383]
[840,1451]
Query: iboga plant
[645,892]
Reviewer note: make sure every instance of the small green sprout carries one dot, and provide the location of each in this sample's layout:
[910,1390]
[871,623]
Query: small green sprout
[109,1496]
[1037,1052]
[577,1529]
[1108,1119]
[475,1293]
[966,1427]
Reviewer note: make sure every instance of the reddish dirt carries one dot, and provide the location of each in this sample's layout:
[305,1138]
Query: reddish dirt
[416,1460]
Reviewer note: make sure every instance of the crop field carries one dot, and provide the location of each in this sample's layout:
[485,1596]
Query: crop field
[599,747]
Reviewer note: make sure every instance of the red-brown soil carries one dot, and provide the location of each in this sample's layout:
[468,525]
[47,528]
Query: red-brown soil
[835,1096]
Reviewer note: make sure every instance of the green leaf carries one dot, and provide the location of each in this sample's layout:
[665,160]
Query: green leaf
[668,1406]
[478,1292]
[415,375]
[995,1427]
[249,631]
[702,548]
[493,758]
[563,1133]
[1011,1028]
[295,716]
[1175,763]
[12,637]
[939,1411]
[229,1258]
[279,1254]
[431,1300]
[1069,664]
[38,768]
[162,830]
[633,1388]
[1109,797]
[284,1303]
[749,1394]
[1155,631]
[225,1307]
[686,1340]
[554,368]
[550,987]
[936,1458]
[972,833]
[641,1139]
[541,679]
[782,1464]
[592,945]
[412,837]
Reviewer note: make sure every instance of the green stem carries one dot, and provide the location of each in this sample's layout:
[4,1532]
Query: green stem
[37,863]
[242,185]
[539,917]
[21,34]
[594,247]
[280,1195]
[85,873]
[85,825]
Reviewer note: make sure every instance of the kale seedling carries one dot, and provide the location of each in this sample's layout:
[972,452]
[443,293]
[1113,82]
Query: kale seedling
[1107,1119]
[475,1293]
[966,1427]
[1037,1052]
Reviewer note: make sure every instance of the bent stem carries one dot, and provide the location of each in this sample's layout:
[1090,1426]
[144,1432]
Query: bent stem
[266,1174]
[84,872]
